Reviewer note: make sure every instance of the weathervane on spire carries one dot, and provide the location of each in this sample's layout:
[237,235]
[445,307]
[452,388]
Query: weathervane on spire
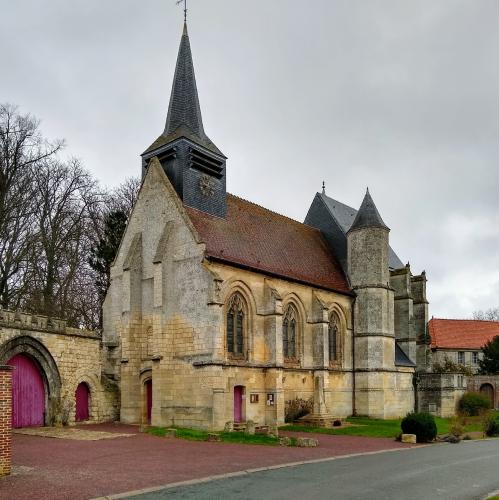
[185,8]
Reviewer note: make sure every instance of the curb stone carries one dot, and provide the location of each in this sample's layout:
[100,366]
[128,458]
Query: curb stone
[229,475]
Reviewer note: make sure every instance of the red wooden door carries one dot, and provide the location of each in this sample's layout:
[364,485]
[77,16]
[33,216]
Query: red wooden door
[148,385]
[28,392]
[238,403]
[82,397]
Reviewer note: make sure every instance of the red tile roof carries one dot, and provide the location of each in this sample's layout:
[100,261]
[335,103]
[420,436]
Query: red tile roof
[461,333]
[257,238]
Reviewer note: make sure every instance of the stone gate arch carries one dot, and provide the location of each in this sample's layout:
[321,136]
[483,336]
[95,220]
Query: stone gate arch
[29,346]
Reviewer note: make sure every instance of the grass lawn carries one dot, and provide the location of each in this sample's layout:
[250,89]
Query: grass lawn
[381,428]
[225,437]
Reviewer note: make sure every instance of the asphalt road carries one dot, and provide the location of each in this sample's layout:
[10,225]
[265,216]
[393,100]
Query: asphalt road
[467,470]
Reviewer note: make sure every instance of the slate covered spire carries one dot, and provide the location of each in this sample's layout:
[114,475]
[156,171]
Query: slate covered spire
[368,215]
[195,167]
[184,117]
[184,109]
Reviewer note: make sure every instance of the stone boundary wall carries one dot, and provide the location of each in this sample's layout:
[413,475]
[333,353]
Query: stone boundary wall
[66,357]
[5,420]
[477,381]
[439,393]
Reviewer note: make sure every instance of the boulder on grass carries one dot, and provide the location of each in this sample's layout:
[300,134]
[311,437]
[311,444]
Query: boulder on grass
[213,437]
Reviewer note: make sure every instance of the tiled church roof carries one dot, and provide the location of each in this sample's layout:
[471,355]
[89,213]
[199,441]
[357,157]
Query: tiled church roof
[255,237]
[461,333]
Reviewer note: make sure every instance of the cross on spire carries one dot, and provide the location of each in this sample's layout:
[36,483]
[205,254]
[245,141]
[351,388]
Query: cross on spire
[185,8]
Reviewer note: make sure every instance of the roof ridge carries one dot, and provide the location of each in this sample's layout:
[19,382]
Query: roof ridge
[466,319]
[273,211]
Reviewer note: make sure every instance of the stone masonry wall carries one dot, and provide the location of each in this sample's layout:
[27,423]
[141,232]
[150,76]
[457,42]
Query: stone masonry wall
[5,420]
[439,393]
[67,356]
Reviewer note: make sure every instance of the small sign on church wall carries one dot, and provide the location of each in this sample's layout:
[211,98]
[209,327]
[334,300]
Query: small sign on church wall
[253,398]
[270,399]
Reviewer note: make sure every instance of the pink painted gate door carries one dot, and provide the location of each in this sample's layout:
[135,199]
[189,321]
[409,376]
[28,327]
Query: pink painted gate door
[238,403]
[82,397]
[28,392]
[148,385]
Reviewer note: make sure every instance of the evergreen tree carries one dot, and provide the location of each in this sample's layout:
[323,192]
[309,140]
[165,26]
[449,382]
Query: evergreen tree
[489,365]
[103,253]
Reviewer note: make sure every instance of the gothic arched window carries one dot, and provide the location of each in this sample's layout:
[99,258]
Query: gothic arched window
[289,328]
[334,332]
[236,325]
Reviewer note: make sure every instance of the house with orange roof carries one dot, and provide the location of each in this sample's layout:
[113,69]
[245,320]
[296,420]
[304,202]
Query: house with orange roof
[460,340]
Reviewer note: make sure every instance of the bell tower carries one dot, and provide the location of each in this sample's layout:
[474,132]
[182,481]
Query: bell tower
[194,165]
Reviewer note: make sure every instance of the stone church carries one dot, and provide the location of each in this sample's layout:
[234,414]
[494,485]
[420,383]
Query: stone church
[220,310]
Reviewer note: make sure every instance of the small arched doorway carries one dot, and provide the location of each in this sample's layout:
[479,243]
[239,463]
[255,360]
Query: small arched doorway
[238,403]
[82,397]
[488,391]
[28,392]
[148,399]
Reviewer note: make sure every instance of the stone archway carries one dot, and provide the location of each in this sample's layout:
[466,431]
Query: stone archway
[488,391]
[34,349]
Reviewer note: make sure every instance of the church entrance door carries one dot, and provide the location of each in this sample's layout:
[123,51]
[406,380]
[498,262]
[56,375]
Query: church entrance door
[148,387]
[238,403]
[28,392]
[82,397]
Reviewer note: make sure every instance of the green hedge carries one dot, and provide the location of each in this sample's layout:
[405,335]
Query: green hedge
[422,424]
[473,404]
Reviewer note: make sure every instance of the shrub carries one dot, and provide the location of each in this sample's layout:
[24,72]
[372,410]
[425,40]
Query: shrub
[450,366]
[456,428]
[473,404]
[492,425]
[422,424]
[297,408]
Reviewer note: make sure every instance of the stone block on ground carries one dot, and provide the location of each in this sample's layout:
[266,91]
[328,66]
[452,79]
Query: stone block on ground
[285,441]
[229,427]
[250,427]
[171,432]
[213,437]
[304,442]
[409,438]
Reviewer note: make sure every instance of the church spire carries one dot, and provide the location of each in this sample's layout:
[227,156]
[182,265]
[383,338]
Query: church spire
[184,117]
[368,215]
[194,165]
[184,109]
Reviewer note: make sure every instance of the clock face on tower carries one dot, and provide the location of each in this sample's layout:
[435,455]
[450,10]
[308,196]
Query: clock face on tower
[207,185]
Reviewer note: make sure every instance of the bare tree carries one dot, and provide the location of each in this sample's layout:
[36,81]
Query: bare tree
[491,314]
[22,150]
[66,195]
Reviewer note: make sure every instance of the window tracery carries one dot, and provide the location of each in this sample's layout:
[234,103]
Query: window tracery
[289,328]
[236,313]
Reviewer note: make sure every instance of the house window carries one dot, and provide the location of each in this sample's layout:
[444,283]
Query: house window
[474,358]
[289,333]
[334,329]
[236,325]
[460,357]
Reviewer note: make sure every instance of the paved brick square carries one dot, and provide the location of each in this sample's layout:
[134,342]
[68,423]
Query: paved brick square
[64,468]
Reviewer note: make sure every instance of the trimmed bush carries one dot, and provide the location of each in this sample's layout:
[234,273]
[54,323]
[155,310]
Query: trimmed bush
[473,404]
[492,426]
[422,424]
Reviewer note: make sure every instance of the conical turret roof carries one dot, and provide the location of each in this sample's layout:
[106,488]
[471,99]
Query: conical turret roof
[368,215]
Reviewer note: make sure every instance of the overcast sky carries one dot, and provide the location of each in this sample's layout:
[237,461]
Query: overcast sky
[398,95]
